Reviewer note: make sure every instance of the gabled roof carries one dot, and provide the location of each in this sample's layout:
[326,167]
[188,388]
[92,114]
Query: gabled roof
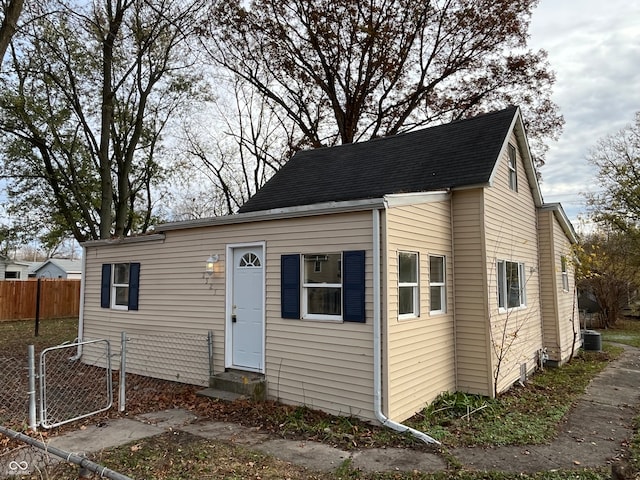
[68,266]
[456,155]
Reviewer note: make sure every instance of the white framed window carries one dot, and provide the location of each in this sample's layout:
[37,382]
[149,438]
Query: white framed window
[322,287]
[565,273]
[437,285]
[513,169]
[511,284]
[408,293]
[120,286]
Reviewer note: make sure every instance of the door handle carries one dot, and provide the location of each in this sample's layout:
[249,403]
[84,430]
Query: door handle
[234,319]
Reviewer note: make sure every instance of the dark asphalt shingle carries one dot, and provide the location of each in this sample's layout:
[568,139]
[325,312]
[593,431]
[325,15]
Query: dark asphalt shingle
[457,154]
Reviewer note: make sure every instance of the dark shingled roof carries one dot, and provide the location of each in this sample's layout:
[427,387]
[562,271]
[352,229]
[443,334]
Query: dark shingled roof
[457,154]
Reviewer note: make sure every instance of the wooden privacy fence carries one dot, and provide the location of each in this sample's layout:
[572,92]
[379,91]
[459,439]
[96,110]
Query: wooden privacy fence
[59,298]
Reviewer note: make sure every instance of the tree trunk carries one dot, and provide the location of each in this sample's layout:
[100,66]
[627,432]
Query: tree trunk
[106,182]
[9,24]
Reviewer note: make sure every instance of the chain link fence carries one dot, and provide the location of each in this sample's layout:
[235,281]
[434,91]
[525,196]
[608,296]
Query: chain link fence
[159,366]
[73,381]
[71,388]
[14,387]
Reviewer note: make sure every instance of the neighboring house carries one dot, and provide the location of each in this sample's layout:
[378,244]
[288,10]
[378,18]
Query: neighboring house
[16,270]
[59,268]
[3,265]
[362,278]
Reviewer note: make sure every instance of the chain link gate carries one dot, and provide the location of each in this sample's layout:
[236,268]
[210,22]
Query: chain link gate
[72,386]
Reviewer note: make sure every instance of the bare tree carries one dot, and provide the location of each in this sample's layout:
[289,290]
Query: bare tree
[617,157]
[91,89]
[607,267]
[509,330]
[250,141]
[346,70]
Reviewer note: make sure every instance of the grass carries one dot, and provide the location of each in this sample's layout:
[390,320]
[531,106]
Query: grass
[625,331]
[16,335]
[524,415]
[180,455]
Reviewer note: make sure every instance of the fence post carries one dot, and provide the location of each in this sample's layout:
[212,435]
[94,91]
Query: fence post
[38,306]
[31,366]
[210,345]
[122,398]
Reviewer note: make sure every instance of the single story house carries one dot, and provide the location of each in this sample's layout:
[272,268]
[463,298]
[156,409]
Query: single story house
[59,268]
[363,279]
[17,270]
[14,269]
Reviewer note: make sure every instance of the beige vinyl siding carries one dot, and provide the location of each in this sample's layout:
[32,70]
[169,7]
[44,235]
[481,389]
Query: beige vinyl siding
[421,351]
[548,285]
[471,325]
[321,364]
[511,235]
[560,319]
[568,318]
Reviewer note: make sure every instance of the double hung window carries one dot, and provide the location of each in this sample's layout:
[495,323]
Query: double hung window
[437,292]
[322,286]
[513,169]
[565,274]
[120,286]
[408,292]
[511,284]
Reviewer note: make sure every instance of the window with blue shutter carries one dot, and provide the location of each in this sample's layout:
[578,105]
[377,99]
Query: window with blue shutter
[290,286]
[324,286]
[120,286]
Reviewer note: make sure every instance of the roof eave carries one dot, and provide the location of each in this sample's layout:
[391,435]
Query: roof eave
[563,220]
[277,214]
[157,237]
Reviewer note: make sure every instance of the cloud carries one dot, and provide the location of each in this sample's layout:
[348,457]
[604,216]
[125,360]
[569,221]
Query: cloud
[594,48]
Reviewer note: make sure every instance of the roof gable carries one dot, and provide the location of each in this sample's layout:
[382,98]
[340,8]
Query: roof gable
[455,155]
[66,265]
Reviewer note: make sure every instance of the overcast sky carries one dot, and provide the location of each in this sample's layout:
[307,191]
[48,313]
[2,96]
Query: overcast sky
[594,48]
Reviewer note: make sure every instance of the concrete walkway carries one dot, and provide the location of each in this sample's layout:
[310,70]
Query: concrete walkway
[594,434]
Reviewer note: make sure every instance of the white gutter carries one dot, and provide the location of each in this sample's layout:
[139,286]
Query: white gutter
[377,333]
[83,280]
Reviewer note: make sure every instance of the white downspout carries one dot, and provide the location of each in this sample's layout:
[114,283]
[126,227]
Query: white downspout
[83,279]
[377,333]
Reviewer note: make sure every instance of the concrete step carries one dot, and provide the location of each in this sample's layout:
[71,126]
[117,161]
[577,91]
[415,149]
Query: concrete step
[220,394]
[249,384]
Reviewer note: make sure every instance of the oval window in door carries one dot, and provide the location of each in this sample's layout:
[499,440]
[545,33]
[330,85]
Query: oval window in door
[249,260]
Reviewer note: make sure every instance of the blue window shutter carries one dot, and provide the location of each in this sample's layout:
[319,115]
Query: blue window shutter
[105,286]
[134,285]
[290,286]
[353,286]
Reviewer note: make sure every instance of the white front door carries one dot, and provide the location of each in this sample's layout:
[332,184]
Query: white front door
[247,308]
